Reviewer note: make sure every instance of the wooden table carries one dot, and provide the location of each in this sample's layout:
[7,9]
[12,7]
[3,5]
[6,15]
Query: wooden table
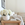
[10,22]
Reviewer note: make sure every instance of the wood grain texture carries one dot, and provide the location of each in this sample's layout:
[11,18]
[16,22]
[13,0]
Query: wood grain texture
[19,23]
[10,22]
[2,23]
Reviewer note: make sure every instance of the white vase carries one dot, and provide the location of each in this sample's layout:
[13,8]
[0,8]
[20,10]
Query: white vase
[6,17]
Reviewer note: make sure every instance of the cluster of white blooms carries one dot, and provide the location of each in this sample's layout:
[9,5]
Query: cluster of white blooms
[10,12]
[6,12]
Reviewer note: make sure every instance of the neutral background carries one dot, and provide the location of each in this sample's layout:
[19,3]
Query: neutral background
[0,3]
[15,5]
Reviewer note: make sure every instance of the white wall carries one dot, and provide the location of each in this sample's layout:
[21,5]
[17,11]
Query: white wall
[10,4]
[0,3]
[16,5]
[20,5]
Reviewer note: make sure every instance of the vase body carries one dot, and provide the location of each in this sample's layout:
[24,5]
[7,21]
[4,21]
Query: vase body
[6,17]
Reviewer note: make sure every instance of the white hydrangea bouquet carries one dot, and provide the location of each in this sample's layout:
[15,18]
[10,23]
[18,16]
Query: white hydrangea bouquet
[6,14]
[10,13]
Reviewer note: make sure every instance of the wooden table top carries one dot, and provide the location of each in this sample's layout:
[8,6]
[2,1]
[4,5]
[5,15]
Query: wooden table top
[11,21]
